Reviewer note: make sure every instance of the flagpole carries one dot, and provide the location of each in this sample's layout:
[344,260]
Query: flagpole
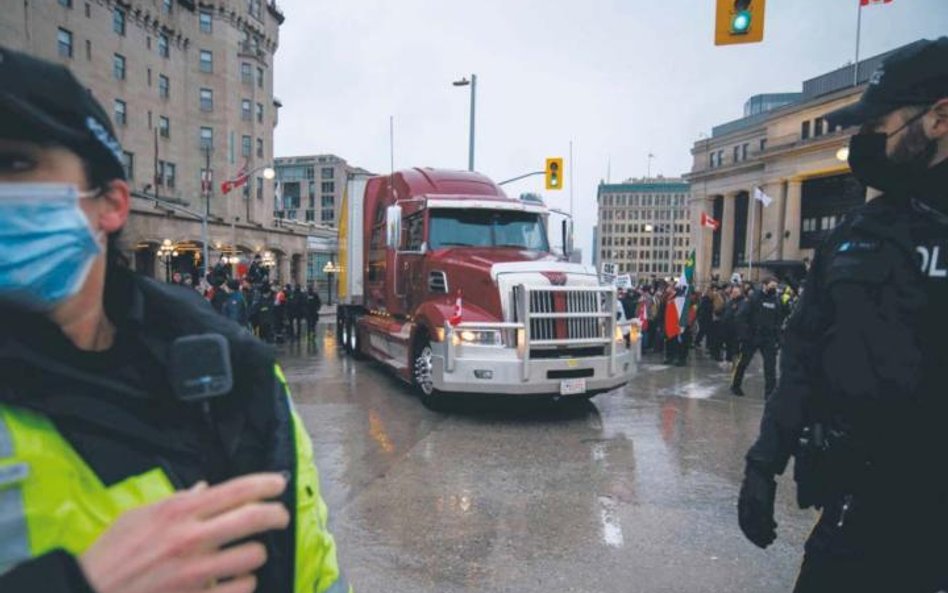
[858,35]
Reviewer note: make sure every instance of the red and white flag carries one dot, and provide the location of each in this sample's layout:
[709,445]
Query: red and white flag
[458,310]
[707,221]
[240,179]
[868,2]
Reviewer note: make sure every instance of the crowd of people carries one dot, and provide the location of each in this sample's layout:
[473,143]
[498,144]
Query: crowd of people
[272,312]
[729,322]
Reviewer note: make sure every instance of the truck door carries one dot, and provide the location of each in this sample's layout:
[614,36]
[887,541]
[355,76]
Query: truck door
[409,281]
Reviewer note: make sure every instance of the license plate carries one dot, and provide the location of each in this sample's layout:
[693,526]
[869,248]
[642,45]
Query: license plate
[572,386]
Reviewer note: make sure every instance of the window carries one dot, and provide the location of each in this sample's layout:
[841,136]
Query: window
[206,22]
[327,217]
[64,41]
[763,144]
[720,158]
[164,126]
[66,3]
[259,188]
[119,112]
[737,154]
[259,77]
[327,172]
[88,11]
[164,49]
[207,61]
[118,21]
[128,164]
[253,7]
[259,148]
[245,73]
[118,67]
[245,146]
[207,100]
[167,6]
[711,161]
[164,86]
[170,174]
[818,126]
[88,49]
[260,113]
[328,187]
[310,216]
[744,148]
[805,130]
[207,138]
[245,109]
[328,202]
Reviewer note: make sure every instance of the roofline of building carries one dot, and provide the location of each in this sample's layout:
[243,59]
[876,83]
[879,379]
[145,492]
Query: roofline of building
[664,187]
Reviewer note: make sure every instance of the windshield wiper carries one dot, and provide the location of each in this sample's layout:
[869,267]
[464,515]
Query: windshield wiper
[450,244]
[513,245]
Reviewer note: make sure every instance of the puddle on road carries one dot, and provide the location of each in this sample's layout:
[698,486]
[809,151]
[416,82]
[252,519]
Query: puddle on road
[611,529]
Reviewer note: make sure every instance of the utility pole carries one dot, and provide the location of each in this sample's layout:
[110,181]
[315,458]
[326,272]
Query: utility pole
[473,84]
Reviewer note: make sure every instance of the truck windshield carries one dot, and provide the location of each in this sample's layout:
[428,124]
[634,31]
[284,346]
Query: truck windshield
[486,228]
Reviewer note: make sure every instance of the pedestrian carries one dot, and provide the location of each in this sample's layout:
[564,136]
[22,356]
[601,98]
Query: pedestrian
[705,315]
[176,279]
[759,321]
[279,312]
[861,401]
[297,308]
[235,307]
[730,326]
[313,305]
[716,332]
[110,482]
[261,314]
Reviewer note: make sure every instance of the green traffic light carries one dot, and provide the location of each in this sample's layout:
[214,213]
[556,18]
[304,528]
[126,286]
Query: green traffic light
[741,22]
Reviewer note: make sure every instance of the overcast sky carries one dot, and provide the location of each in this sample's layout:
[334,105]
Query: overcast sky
[620,78]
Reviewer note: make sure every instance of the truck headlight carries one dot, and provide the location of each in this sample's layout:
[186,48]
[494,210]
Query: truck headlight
[479,337]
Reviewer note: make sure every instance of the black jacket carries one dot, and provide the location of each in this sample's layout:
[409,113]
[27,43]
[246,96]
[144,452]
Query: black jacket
[123,419]
[864,349]
[760,317]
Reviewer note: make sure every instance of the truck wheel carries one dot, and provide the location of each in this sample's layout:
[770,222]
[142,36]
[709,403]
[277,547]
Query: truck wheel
[353,346]
[423,375]
[343,329]
[340,322]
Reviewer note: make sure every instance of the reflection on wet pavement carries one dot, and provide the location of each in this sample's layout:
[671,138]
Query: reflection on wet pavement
[634,491]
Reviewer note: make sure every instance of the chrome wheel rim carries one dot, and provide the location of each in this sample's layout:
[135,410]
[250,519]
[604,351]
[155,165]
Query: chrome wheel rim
[424,371]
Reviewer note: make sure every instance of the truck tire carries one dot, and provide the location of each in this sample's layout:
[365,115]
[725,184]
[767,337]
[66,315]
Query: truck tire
[422,374]
[342,330]
[354,345]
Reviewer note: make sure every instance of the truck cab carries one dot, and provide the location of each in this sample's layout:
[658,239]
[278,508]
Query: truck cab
[461,292]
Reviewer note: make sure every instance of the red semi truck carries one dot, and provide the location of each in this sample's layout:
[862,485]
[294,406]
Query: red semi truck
[454,286]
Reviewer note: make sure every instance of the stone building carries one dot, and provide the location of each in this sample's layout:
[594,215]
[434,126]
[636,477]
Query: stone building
[189,85]
[785,148]
[644,227]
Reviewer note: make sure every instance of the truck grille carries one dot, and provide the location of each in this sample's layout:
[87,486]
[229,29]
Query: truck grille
[549,301]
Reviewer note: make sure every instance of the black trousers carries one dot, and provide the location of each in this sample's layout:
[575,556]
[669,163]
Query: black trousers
[715,340]
[768,350]
[865,556]
[311,322]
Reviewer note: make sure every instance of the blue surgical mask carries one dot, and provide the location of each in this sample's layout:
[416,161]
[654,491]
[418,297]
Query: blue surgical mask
[47,247]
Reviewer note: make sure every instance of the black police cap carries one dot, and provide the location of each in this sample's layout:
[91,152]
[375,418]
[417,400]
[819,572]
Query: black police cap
[915,75]
[43,102]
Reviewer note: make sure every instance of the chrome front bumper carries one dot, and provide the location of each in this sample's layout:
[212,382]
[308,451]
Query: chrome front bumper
[510,369]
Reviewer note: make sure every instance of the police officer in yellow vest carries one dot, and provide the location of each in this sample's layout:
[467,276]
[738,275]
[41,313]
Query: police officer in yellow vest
[109,481]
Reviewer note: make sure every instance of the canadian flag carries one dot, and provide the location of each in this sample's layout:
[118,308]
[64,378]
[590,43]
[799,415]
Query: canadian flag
[237,181]
[458,310]
[868,2]
[707,221]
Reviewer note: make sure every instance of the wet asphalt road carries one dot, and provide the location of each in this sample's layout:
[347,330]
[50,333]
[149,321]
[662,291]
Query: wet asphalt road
[634,491]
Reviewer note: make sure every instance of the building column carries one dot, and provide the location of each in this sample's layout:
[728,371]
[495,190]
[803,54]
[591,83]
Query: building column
[781,220]
[765,221]
[283,268]
[727,236]
[791,240]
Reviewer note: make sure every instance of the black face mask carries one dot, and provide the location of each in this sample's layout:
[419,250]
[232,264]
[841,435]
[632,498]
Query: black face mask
[872,166]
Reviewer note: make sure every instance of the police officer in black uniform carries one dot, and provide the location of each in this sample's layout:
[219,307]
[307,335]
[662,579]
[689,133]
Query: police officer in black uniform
[760,319]
[863,397]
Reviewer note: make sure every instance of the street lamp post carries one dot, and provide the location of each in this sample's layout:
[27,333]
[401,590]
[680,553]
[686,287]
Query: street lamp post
[473,84]
[167,251]
[330,269]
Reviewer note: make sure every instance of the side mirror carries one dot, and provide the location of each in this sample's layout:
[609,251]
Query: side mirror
[393,226]
[567,238]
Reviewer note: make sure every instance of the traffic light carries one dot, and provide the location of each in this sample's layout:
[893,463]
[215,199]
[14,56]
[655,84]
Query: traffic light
[739,21]
[554,173]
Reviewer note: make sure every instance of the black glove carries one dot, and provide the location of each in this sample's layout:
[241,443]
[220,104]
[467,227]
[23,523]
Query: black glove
[755,506]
